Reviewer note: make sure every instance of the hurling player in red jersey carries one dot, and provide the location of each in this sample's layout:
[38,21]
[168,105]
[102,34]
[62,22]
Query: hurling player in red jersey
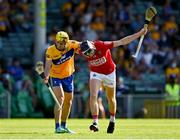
[102,71]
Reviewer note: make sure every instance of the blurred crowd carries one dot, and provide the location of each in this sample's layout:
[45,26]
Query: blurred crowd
[15,16]
[93,20]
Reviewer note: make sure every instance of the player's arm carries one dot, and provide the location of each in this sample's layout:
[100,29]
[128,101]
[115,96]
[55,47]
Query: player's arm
[76,46]
[47,67]
[126,40]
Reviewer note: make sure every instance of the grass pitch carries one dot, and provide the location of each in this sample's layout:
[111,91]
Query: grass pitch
[125,129]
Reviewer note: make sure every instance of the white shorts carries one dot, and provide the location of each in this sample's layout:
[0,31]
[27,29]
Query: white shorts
[107,80]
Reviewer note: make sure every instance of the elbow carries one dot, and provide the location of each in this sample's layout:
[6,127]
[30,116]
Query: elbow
[117,44]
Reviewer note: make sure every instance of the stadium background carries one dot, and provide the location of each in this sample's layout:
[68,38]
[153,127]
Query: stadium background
[141,83]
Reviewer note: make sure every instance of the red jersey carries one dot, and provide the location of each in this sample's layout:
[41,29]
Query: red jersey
[102,61]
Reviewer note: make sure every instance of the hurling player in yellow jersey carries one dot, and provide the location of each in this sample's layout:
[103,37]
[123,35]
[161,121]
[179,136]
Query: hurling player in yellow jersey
[59,69]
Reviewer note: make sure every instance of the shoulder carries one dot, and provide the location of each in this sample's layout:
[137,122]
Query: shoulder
[103,44]
[51,47]
[98,43]
[73,41]
[73,44]
[50,50]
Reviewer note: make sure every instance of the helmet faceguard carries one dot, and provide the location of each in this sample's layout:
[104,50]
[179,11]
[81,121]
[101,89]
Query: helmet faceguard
[87,48]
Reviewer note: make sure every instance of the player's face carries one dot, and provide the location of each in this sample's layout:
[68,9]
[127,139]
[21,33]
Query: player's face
[61,45]
[89,53]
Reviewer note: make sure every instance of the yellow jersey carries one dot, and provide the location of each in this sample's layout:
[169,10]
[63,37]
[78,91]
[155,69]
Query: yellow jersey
[62,61]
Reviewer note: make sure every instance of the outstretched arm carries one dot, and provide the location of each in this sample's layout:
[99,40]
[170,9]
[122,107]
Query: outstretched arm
[126,40]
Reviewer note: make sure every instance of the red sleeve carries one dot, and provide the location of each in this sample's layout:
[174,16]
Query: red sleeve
[79,52]
[104,44]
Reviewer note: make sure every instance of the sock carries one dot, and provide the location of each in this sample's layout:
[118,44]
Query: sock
[95,119]
[57,125]
[63,124]
[112,117]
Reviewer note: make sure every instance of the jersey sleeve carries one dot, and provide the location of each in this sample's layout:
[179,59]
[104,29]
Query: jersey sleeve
[48,54]
[75,45]
[108,44]
[104,44]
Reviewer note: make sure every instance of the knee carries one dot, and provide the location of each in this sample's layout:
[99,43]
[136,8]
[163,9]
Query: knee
[111,99]
[93,96]
[61,98]
[68,102]
[93,99]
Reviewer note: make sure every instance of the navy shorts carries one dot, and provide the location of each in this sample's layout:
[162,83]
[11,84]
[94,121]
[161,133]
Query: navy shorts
[66,83]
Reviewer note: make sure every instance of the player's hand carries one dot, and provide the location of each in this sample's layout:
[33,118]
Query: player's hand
[144,30]
[46,79]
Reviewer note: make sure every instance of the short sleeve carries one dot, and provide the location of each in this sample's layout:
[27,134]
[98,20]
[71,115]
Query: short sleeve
[48,54]
[108,44]
[75,45]
[104,44]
